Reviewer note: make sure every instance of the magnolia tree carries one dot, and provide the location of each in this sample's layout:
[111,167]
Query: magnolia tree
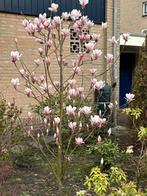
[63,104]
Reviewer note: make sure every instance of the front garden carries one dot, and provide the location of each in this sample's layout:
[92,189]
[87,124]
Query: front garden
[67,144]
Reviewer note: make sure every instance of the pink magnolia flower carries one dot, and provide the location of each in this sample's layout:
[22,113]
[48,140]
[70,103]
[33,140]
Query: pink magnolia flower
[83,3]
[30,115]
[41,79]
[57,84]
[75,14]
[80,56]
[87,37]
[95,37]
[93,71]
[47,61]
[22,72]
[80,90]
[70,111]
[42,17]
[97,121]
[57,20]
[45,120]
[54,7]
[125,36]
[76,70]
[28,92]
[40,50]
[44,87]
[99,85]
[96,54]
[104,25]
[129,97]
[113,40]
[99,139]
[34,78]
[49,43]
[82,37]
[109,131]
[47,24]
[15,56]
[89,24]
[109,58]
[72,92]
[15,82]
[110,106]
[79,141]
[47,110]
[38,135]
[102,161]
[73,62]
[89,46]
[37,61]
[65,15]
[85,110]
[72,83]
[93,81]
[25,23]
[40,41]
[83,20]
[56,120]
[72,125]
[31,28]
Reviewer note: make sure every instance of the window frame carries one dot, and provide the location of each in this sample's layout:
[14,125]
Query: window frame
[144,8]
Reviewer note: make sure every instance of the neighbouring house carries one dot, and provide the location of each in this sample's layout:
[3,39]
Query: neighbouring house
[133,19]
[12,13]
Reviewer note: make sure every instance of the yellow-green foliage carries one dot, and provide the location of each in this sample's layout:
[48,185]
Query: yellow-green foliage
[133,112]
[142,134]
[98,181]
[114,184]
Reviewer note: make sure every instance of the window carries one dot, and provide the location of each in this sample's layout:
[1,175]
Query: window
[75,45]
[145,8]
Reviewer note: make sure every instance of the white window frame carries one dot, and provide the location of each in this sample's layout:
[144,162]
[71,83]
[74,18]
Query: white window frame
[144,8]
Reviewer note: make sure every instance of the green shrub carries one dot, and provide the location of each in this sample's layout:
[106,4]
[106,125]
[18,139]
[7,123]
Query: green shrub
[114,184]
[9,130]
[107,150]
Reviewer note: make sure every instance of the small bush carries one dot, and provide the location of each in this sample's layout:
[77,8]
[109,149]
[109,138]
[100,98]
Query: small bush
[9,130]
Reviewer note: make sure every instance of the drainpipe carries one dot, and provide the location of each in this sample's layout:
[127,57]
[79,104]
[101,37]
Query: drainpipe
[114,68]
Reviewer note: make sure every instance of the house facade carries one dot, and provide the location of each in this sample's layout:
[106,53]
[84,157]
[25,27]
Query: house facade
[133,19]
[12,13]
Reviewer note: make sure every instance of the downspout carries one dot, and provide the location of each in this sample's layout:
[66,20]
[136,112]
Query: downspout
[105,45]
[114,68]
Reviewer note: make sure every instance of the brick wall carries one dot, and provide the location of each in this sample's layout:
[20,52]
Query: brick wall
[131,16]
[11,28]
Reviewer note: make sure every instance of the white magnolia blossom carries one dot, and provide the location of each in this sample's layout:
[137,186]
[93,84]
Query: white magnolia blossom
[15,82]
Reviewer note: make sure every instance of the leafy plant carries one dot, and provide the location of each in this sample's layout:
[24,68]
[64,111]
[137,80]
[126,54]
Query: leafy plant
[114,184]
[140,160]
[107,150]
[126,189]
[134,112]
[140,84]
[9,130]
[142,134]
[98,181]
[117,175]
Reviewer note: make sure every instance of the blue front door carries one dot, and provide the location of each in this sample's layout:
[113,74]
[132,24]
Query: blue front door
[127,62]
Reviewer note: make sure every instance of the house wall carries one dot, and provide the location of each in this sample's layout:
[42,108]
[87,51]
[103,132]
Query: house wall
[131,16]
[11,28]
